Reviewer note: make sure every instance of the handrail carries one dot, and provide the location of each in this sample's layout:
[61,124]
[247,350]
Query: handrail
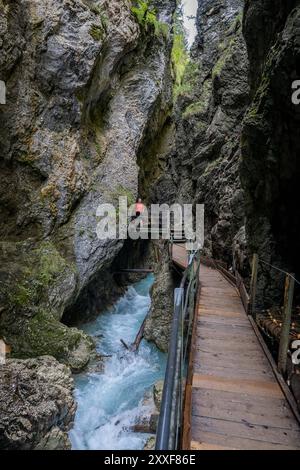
[171,412]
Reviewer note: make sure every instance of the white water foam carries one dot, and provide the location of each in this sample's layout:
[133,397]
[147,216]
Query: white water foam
[110,402]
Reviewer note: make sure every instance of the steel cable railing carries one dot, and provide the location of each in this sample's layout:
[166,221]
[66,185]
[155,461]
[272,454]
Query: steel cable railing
[171,413]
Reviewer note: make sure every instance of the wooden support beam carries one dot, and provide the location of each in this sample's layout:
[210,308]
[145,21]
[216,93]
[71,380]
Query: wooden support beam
[253,285]
[137,271]
[286,325]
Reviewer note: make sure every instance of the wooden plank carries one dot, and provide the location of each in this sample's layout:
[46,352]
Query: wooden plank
[251,387]
[220,313]
[227,357]
[219,326]
[210,360]
[235,372]
[205,446]
[230,303]
[219,297]
[225,321]
[225,305]
[245,431]
[237,442]
[222,306]
[226,335]
[238,345]
[212,290]
[230,406]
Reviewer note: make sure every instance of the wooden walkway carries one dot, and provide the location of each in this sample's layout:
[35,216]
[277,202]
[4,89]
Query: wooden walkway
[236,401]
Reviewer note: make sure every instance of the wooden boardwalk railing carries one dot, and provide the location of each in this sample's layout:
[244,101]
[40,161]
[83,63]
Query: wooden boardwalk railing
[234,400]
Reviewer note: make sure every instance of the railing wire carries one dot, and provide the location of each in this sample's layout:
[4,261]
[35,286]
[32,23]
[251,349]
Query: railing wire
[171,413]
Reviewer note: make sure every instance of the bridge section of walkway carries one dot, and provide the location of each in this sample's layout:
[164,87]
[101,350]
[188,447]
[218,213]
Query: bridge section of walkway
[236,401]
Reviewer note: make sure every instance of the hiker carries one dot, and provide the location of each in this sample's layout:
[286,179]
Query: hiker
[139,208]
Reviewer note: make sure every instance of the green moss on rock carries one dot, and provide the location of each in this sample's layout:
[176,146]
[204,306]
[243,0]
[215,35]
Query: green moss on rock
[189,81]
[201,106]
[121,191]
[227,48]
[99,30]
[44,335]
[36,285]
[146,16]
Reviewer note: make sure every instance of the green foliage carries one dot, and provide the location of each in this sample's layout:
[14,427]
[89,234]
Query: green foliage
[122,191]
[146,16]
[180,55]
[180,60]
[185,71]
[189,81]
[95,9]
[99,31]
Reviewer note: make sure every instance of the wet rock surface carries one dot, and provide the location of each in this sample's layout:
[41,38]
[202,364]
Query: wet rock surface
[37,406]
[204,164]
[84,81]
[159,320]
[270,142]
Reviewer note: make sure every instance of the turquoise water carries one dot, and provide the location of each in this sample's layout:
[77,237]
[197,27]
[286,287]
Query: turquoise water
[110,402]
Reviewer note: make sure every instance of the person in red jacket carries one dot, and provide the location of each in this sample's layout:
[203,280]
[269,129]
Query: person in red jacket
[139,208]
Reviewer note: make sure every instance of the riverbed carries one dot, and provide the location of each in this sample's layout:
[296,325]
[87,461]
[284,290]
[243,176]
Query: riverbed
[110,401]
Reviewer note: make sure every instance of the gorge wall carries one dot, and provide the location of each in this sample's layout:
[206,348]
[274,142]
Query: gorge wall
[270,167]
[235,136]
[203,166]
[85,80]
[90,116]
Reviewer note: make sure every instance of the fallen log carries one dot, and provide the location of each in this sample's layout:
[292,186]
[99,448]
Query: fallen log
[125,345]
[134,347]
[136,344]
[273,328]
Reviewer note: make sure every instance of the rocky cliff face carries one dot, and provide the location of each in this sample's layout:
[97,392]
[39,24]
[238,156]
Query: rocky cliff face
[213,98]
[159,321]
[37,406]
[200,147]
[270,167]
[85,81]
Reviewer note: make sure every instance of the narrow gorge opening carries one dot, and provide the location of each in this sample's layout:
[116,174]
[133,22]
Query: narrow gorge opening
[109,415]
[156,102]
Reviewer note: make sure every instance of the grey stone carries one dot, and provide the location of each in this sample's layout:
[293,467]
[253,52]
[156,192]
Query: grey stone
[37,406]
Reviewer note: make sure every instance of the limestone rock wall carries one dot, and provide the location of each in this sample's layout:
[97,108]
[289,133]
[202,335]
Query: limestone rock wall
[84,82]
[39,406]
[204,163]
[270,168]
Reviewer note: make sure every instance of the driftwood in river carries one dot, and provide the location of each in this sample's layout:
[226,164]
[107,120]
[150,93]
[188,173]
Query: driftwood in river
[136,344]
